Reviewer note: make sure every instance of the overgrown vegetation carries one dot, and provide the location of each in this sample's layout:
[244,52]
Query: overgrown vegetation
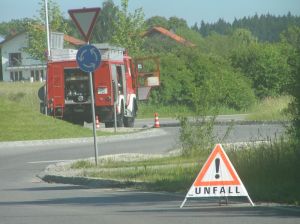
[270,171]
[270,109]
[294,84]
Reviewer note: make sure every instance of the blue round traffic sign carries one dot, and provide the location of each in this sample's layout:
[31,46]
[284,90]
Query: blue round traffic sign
[88,58]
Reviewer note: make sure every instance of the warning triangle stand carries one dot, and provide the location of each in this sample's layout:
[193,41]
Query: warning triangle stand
[217,178]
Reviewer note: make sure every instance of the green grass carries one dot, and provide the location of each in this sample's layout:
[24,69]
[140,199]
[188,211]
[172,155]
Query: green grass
[148,110]
[270,109]
[173,111]
[20,118]
[270,172]
[162,161]
[165,174]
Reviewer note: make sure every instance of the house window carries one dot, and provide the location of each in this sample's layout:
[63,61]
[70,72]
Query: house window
[42,74]
[37,75]
[12,77]
[16,76]
[20,75]
[15,59]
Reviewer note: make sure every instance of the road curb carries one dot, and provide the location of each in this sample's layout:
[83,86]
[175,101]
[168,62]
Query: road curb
[145,132]
[61,172]
[227,123]
[88,181]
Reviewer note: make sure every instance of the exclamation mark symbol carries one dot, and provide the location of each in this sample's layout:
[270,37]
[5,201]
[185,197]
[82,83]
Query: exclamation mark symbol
[217,164]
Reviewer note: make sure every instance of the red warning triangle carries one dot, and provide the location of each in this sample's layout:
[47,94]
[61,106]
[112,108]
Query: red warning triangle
[217,178]
[217,171]
[85,20]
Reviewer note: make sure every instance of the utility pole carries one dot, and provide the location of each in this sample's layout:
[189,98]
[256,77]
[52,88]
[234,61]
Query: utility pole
[48,51]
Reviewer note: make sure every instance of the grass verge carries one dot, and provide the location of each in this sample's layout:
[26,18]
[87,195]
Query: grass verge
[173,111]
[172,174]
[270,172]
[270,109]
[20,118]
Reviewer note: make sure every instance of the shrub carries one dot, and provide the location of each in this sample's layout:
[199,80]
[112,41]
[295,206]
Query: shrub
[190,78]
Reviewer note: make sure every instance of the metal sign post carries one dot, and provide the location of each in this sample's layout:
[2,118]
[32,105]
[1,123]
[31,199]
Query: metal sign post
[88,57]
[48,54]
[94,118]
[115,91]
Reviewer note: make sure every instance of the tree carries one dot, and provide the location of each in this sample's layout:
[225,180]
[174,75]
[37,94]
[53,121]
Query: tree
[157,21]
[264,27]
[265,65]
[243,37]
[13,26]
[175,23]
[292,37]
[104,29]
[128,28]
[36,31]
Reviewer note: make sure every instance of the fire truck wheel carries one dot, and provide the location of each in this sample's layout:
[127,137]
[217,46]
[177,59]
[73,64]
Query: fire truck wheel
[129,122]
[76,120]
[109,124]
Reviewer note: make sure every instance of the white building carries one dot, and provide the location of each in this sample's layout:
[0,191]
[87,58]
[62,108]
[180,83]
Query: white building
[17,65]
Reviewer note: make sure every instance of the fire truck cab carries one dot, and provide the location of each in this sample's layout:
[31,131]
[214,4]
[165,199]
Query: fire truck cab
[114,81]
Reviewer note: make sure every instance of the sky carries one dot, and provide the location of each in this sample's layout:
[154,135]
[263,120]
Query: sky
[191,10]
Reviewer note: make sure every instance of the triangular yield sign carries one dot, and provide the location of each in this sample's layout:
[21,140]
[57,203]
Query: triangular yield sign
[217,178]
[85,20]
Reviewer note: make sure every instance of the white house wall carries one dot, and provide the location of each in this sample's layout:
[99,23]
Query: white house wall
[28,65]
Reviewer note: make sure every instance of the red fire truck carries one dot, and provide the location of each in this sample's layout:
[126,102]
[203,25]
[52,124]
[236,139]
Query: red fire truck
[116,82]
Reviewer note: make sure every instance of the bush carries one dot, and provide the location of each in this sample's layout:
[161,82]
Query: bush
[265,65]
[190,78]
[196,136]
[294,85]
[270,171]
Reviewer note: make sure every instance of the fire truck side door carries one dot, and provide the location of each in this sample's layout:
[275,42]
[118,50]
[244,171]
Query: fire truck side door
[115,81]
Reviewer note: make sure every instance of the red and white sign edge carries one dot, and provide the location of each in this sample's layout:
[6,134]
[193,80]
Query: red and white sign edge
[223,182]
[85,20]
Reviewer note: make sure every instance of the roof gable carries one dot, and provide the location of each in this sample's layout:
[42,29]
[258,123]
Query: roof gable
[169,34]
[71,40]
[11,37]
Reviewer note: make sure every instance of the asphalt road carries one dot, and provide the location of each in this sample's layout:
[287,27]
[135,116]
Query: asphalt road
[26,199]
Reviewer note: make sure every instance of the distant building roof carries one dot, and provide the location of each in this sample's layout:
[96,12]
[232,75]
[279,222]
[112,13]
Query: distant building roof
[10,37]
[71,40]
[165,32]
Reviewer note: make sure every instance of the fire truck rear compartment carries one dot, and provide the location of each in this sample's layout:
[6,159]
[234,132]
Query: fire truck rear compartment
[77,89]
[77,95]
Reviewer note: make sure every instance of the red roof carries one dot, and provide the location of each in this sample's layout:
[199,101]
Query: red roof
[73,40]
[169,34]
